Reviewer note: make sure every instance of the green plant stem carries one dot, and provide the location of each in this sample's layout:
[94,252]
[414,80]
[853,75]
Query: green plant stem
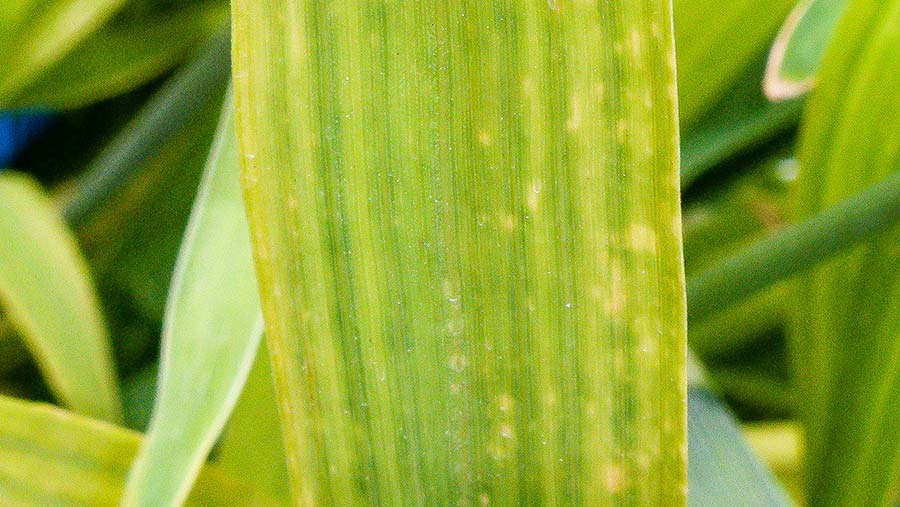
[794,249]
[161,118]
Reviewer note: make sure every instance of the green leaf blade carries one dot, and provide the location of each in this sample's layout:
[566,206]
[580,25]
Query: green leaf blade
[50,456]
[467,256]
[211,332]
[120,57]
[852,453]
[46,291]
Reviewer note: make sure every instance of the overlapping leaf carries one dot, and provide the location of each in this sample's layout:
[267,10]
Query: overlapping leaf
[800,46]
[52,457]
[48,296]
[211,332]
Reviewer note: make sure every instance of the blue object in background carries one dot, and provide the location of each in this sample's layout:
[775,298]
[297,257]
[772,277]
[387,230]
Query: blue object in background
[16,130]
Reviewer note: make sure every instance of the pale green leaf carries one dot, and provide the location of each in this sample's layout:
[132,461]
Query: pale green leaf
[47,294]
[211,332]
[50,457]
[800,46]
[466,225]
[722,469]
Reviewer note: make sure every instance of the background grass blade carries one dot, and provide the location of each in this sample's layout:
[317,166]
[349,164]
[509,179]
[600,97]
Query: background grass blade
[466,224]
[45,33]
[796,248]
[121,56]
[47,294]
[52,457]
[800,46]
[845,331]
[723,221]
[163,116]
[211,332]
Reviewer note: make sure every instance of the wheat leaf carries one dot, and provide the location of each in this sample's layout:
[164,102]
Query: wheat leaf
[466,225]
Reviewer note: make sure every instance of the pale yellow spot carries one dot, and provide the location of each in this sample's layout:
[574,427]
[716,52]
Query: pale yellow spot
[484,137]
[455,326]
[450,287]
[619,364]
[614,478]
[484,500]
[506,431]
[549,398]
[262,248]
[648,345]
[621,130]
[508,222]
[615,302]
[532,197]
[292,202]
[505,402]
[527,85]
[574,120]
[455,388]
[458,363]
[643,461]
[636,42]
[642,238]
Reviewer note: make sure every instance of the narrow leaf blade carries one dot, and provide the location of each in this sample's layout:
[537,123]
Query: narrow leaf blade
[211,332]
[47,293]
[120,57]
[51,30]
